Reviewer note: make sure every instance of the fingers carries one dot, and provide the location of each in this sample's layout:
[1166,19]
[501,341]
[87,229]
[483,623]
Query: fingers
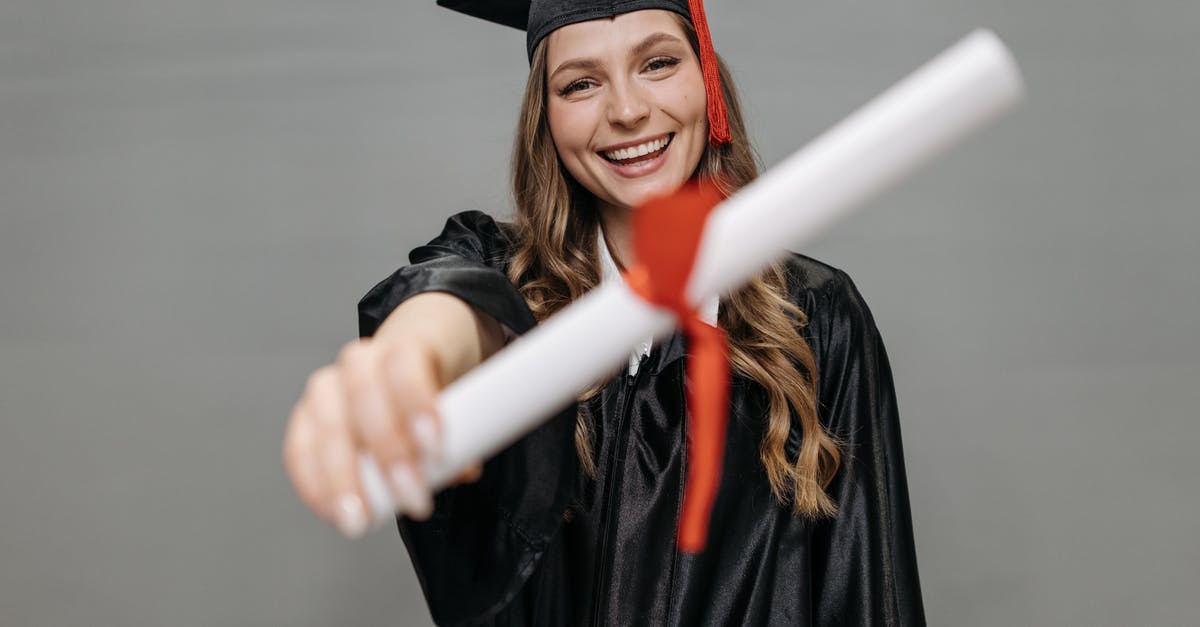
[383,389]
[316,453]
[301,463]
[337,453]
[375,403]
[411,376]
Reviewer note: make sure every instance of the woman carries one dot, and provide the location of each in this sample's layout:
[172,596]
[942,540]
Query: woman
[575,523]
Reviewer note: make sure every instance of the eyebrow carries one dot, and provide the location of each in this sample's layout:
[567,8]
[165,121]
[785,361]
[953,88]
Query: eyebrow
[589,63]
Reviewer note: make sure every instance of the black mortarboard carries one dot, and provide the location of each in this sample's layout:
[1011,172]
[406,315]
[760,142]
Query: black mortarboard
[538,18]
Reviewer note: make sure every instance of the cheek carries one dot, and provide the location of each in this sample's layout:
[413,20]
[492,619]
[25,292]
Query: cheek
[684,101]
[695,101]
[688,109]
[567,129]
[694,86]
[693,115]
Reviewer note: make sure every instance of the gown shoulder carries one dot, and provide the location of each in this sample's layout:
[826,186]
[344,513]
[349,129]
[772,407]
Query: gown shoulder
[468,259]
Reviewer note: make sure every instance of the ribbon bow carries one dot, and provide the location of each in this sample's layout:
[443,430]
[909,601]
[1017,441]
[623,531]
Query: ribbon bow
[666,234]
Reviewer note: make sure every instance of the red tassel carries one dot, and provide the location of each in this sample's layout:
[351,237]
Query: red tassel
[718,118]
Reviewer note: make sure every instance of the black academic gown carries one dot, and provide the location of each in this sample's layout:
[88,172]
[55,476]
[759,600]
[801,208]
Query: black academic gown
[536,542]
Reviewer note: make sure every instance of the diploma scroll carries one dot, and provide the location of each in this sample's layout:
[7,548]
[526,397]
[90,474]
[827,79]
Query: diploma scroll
[932,109]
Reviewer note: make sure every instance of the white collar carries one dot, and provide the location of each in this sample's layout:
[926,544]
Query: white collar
[610,272]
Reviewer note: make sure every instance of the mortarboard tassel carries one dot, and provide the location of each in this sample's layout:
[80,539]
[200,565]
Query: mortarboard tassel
[718,119]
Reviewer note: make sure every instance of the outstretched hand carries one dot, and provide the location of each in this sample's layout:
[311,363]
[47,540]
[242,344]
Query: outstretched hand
[377,398]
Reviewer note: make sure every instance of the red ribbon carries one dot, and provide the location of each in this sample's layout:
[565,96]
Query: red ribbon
[666,234]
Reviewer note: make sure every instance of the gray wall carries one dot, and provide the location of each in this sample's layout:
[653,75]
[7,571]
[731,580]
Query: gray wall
[193,195]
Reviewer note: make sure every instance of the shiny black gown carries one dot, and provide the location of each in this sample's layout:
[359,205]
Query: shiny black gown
[536,542]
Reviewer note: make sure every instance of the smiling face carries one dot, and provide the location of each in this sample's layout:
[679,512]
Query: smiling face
[626,105]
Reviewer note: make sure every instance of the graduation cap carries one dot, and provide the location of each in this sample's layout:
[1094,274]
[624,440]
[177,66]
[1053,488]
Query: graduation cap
[539,18]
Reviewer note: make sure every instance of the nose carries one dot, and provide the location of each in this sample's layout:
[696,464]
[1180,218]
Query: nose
[627,105]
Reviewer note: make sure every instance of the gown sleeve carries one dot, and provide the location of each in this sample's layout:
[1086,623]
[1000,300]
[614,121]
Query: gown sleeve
[865,568]
[474,555]
[467,260]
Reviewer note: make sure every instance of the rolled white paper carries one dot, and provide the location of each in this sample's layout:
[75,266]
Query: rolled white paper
[510,394]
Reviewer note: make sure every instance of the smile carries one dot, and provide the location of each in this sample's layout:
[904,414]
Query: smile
[632,155]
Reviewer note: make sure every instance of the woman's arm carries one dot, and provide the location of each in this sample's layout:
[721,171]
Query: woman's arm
[459,336]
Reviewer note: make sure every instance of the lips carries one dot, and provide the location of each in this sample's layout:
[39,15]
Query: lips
[636,153]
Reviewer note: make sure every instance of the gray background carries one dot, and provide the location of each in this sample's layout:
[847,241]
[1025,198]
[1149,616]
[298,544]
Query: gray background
[193,195]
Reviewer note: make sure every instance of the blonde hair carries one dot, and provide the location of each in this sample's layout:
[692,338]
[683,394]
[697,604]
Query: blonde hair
[556,262]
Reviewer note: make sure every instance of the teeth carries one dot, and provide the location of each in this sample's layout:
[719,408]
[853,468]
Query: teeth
[637,151]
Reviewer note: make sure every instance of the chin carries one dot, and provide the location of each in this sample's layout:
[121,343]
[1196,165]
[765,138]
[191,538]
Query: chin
[638,195]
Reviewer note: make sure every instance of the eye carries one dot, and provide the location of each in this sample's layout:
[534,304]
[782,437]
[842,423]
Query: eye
[661,63]
[575,86]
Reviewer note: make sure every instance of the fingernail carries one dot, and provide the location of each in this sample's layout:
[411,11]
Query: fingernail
[411,492]
[426,434]
[351,517]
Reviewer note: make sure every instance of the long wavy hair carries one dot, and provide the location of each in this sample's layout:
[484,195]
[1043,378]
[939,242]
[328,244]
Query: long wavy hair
[556,261]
